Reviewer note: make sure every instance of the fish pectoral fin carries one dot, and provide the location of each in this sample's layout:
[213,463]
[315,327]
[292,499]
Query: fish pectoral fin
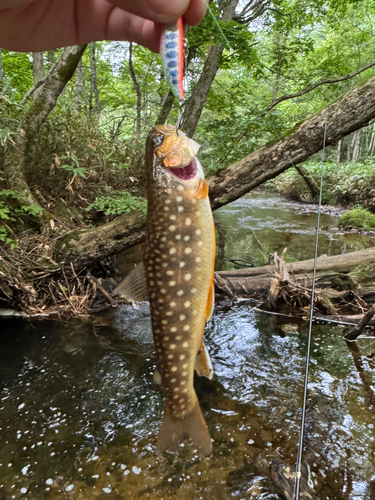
[157,377]
[203,364]
[202,190]
[174,431]
[210,302]
[133,286]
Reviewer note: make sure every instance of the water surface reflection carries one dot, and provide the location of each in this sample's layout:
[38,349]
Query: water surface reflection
[79,412]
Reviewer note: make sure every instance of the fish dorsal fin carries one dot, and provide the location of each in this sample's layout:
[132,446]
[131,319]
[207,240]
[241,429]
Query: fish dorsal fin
[202,190]
[210,303]
[133,286]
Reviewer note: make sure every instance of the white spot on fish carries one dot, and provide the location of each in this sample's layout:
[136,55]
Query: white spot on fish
[172,250]
[173,346]
[172,283]
[187,277]
[172,228]
[164,322]
[166,338]
[182,357]
[180,292]
[186,238]
[169,190]
[173,217]
[198,232]
[173,329]
[180,187]
[185,344]
[187,251]
[200,244]
[172,304]
[187,303]
[188,221]
[173,380]
[166,209]
[182,317]
[174,368]
[198,259]
[170,273]
[182,263]
[186,328]
[193,290]
[178,236]
[169,313]
[163,290]
[180,209]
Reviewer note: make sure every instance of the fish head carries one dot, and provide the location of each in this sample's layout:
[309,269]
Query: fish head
[172,158]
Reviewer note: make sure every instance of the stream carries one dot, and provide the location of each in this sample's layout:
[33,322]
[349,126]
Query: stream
[79,412]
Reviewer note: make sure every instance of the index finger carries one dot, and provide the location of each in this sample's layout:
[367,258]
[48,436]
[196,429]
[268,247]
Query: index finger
[165,11]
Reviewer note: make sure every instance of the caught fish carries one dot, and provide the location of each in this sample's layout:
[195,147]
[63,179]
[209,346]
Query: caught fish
[172,56]
[178,268]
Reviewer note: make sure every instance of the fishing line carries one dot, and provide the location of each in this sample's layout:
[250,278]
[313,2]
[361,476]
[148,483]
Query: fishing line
[307,362]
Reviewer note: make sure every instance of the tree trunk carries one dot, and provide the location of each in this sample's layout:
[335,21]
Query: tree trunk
[16,155]
[357,140]
[338,156]
[353,111]
[138,92]
[94,92]
[80,85]
[309,181]
[195,104]
[165,109]
[38,71]
[349,113]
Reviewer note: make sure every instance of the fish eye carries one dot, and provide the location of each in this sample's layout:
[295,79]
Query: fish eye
[158,139]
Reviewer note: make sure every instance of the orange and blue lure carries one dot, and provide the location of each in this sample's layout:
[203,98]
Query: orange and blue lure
[172,55]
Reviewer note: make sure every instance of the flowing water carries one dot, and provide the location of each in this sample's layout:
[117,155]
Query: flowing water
[79,412]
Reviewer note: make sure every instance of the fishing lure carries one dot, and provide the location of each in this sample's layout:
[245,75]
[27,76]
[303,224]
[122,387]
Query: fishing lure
[172,55]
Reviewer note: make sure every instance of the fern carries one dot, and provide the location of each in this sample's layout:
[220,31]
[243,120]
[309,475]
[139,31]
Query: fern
[118,203]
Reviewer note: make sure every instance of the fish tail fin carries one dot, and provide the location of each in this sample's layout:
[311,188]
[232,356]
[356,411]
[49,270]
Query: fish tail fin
[193,427]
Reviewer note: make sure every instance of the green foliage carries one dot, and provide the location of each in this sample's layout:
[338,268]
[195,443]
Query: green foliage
[358,217]
[349,183]
[16,211]
[118,203]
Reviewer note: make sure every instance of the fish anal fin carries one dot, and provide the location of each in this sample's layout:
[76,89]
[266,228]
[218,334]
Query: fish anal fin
[193,427]
[202,190]
[203,364]
[210,302]
[133,286]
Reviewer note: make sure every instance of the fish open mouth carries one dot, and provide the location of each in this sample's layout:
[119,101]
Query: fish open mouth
[185,173]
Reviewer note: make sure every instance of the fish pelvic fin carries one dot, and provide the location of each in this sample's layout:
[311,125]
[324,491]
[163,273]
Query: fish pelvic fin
[210,302]
[203,364]
[193,427]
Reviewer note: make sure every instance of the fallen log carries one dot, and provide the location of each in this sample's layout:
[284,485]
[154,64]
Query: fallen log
[333,284]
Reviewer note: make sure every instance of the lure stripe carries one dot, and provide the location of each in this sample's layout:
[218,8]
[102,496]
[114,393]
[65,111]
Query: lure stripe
[172,54]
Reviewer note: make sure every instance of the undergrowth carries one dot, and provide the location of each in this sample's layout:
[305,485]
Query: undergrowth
[349,183]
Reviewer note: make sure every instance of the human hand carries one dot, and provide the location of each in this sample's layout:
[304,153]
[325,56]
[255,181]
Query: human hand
[38,25]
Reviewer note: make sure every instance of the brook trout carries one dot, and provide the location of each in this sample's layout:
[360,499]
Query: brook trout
[178,266]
